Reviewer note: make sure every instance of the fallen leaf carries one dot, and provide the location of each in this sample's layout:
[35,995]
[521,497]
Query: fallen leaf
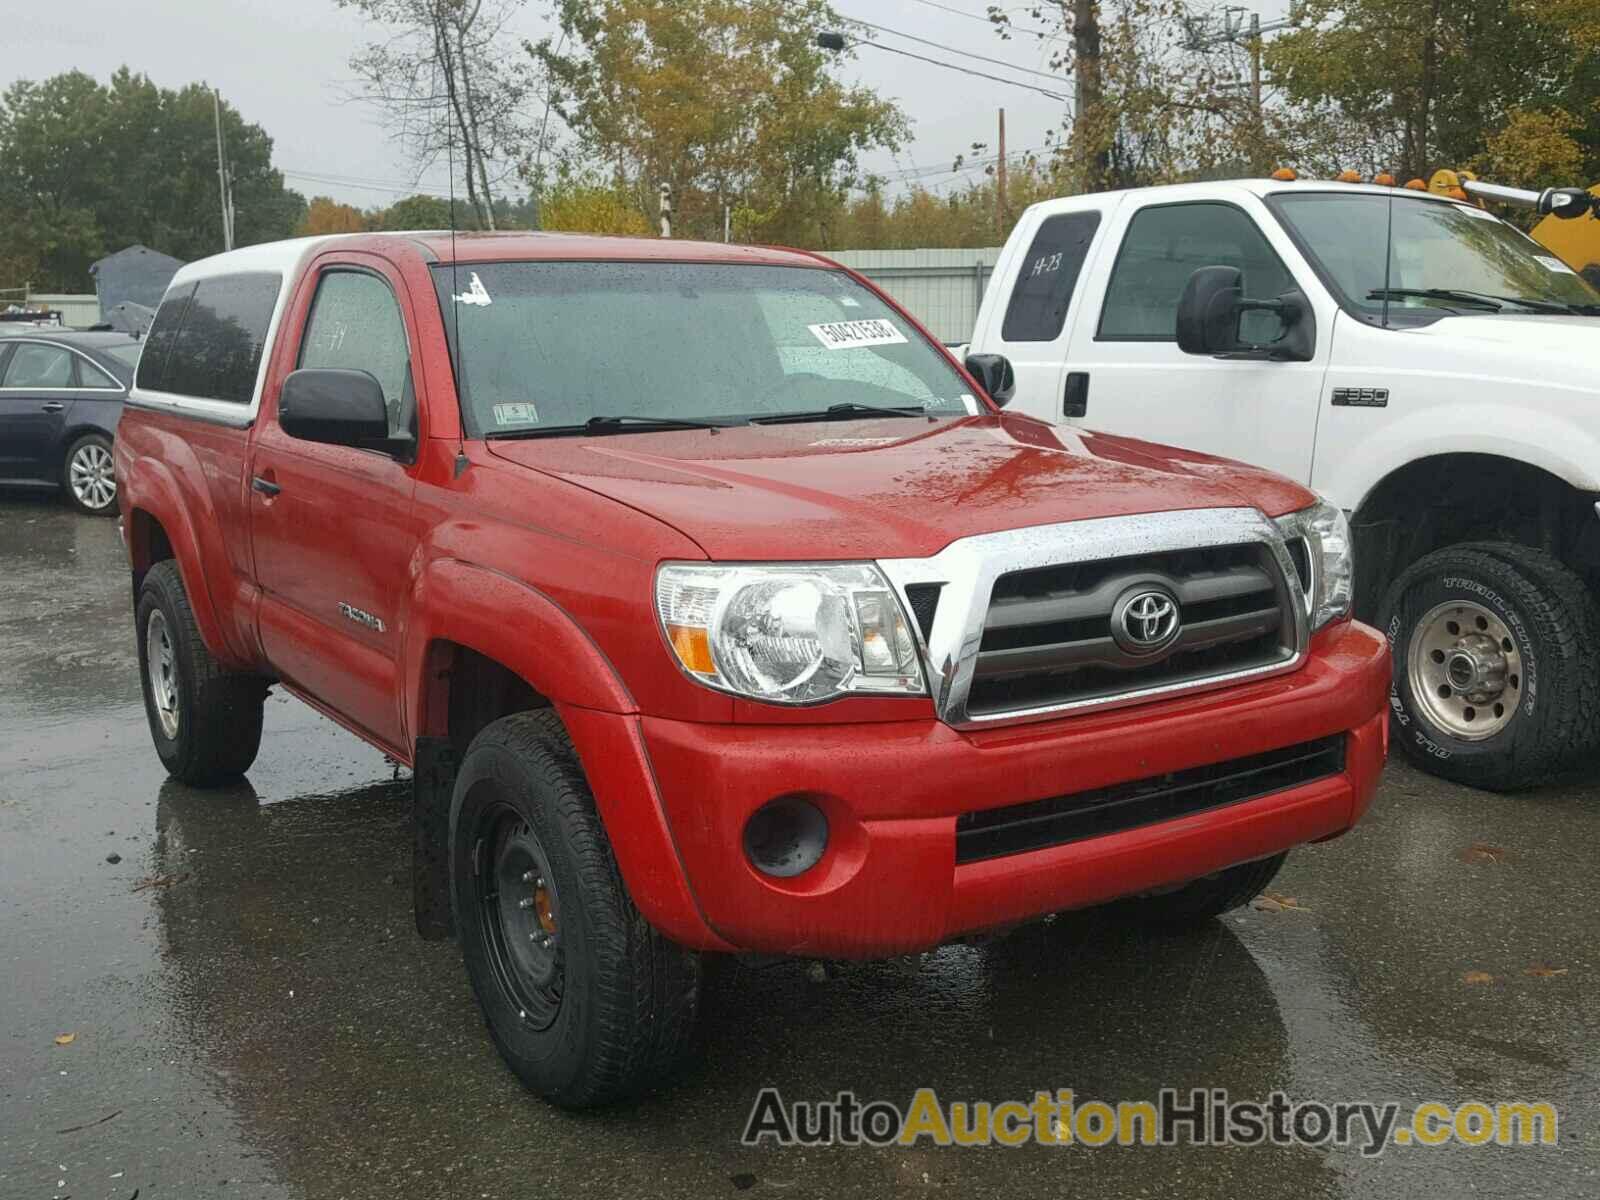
[158,881]
[66,1039]
[1536,972]
[1477,977]
[1481,854]
[1283,901]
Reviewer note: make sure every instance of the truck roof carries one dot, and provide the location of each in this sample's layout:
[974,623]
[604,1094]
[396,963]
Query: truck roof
[438,245]
[1254,187]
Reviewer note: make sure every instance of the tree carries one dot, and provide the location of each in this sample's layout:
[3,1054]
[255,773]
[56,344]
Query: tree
[414,212]
[451,84]
[1155,100]
[327,215]
[91,168]
[1422,84]
[579,206]
[728,102]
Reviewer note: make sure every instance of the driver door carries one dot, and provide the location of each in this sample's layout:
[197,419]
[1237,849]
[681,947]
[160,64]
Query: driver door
[1139,382]
[332,527]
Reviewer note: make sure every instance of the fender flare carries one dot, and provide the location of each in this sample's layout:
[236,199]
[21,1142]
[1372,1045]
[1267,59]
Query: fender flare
[153,489]
[1561,456]
[471,605]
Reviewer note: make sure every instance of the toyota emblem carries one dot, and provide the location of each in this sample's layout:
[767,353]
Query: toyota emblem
[1146,621]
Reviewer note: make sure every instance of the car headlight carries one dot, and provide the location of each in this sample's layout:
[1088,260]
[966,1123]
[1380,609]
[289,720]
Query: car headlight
[788,634]
[1325,533]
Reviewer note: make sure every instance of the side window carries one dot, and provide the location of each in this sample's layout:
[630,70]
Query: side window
[1167,244]
[95,378]
[36,366]
[217,352]
[1049,275]
[158,341]
[355,323]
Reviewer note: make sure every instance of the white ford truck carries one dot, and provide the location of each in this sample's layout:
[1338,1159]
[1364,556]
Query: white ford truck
[1445,394]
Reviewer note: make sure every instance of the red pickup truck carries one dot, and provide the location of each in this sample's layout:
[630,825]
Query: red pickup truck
[717,609]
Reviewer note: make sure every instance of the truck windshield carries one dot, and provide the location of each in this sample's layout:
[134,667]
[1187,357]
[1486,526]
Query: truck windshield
[550,346]
[1446,256]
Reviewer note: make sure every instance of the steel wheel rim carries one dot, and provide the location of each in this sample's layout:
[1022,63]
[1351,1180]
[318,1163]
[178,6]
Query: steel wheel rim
[518,915]
[161,666]
[1465,670]
[90,476]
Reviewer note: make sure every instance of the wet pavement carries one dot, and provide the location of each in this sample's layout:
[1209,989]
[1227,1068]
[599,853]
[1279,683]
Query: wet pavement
[253,1015]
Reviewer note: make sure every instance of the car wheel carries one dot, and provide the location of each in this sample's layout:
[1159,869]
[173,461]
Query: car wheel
[205,721]
[1496,651]
[87,475]
[586,1002]
[1201,900]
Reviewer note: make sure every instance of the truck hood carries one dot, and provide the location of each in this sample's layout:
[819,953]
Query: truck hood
[1564,351]
[890,487]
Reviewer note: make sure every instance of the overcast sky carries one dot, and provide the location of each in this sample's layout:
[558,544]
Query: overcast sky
[283,64]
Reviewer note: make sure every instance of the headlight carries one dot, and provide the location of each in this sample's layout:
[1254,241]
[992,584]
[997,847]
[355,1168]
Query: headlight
[788,634]
[1326,534]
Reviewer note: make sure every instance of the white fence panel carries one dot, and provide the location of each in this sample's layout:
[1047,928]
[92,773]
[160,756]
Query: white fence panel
[941,288]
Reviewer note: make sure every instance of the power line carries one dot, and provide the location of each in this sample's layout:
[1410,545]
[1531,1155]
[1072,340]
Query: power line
[999,62]
[992,24]
[392,186]
[1016,83]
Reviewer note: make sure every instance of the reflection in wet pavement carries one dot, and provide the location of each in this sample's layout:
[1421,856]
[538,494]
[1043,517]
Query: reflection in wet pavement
[254,1016]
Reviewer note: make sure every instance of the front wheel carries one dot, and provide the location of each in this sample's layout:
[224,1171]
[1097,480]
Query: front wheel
[586,1002]
[1496,651]
[87,476]
[1202,900]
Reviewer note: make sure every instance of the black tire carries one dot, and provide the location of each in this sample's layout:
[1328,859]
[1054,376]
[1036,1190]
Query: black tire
[1554,629]
[609,1011]
[1203,899]
[94,449]
[216,730]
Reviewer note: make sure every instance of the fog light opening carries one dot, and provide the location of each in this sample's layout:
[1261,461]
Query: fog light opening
[786,837]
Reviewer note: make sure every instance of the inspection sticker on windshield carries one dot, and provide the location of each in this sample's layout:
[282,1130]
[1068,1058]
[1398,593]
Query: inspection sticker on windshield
[1555,265]
[516,414]
[842,335]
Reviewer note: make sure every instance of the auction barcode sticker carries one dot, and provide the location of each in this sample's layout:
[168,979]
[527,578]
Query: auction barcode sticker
[842,335]
[1554,265]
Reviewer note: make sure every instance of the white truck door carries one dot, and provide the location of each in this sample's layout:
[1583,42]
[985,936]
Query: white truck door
[1125,342]
[1029,308]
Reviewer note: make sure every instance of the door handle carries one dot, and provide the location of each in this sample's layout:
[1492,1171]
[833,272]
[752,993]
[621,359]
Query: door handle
[53,406]
[265,486]
[1075,396]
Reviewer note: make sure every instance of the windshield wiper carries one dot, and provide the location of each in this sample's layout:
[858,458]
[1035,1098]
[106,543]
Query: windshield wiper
[595,426]
[1488,303]
[840,412]
[1488,300]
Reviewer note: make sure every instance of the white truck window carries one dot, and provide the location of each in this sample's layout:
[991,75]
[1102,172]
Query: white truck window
[1451,250]
[1168,243]
[1049,275]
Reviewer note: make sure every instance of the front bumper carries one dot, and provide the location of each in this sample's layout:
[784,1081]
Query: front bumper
[890,882]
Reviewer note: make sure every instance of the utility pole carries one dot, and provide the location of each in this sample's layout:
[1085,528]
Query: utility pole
[1088,109]
[224,187]
[1238,31]
[1255,66]
[1000,181]
[666,210]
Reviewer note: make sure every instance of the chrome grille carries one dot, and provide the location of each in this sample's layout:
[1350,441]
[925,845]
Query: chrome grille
[1022,624]
[1048,636]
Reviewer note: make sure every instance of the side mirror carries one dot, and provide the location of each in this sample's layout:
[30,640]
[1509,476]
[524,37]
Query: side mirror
[994,374]
[1214,318]
[338,407]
